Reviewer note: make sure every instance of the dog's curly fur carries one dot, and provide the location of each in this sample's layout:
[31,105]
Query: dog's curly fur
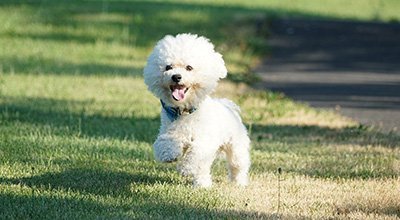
[182,71]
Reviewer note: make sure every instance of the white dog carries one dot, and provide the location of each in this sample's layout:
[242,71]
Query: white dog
[182,71]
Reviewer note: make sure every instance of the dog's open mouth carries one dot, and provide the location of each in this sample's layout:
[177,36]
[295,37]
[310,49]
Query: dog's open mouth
[178,92]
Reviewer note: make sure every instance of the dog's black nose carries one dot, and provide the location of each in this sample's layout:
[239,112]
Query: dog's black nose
[176,78]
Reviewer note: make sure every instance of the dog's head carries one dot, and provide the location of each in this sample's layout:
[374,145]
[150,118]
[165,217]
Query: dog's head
[182,70]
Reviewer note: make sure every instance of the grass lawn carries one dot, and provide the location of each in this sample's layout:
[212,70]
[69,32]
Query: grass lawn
[77,122]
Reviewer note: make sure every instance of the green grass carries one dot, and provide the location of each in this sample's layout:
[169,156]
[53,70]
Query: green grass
[77,122]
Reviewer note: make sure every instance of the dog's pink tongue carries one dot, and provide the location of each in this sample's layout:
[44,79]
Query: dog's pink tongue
[178,94]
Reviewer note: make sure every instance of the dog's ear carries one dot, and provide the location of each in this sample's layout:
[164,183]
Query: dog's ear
[220,67]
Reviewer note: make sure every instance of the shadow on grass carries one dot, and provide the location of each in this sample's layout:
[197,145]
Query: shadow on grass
[363,136]
[93,181]
[37,65]
[107,184]
[48,207]
[53,207]
[353,152]
[65,122]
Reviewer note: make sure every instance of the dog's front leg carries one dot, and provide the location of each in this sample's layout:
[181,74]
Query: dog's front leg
[196,164]
[166,149]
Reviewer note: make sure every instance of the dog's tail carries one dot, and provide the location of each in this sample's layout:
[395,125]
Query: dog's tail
[235,109]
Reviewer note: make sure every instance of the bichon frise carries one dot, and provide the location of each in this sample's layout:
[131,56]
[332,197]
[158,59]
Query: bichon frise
[182,71]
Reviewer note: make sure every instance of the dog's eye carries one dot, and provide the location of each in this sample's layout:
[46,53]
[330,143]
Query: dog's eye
[189,68]
[168,67]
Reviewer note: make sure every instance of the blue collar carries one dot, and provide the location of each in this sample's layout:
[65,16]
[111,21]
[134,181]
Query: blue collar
[175,113]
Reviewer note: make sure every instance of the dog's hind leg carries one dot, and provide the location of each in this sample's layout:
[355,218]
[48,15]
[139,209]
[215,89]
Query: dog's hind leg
[238,157]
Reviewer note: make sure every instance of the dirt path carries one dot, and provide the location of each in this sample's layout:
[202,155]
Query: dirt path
[350,66]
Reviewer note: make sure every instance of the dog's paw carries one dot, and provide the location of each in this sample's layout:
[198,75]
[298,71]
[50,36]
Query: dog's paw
[202,182]
[166,150]
[241,179]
